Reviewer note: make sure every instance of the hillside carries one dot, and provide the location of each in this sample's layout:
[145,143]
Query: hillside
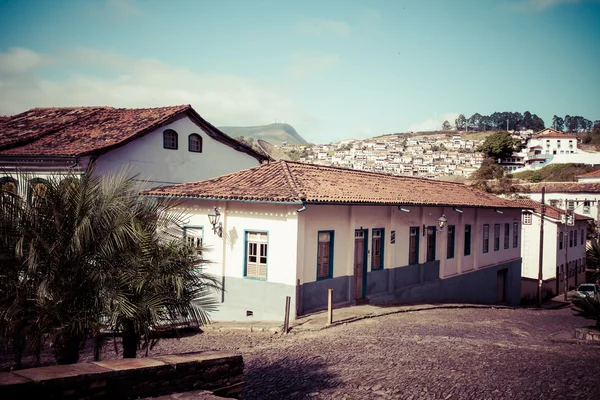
[272,133]
[556,173]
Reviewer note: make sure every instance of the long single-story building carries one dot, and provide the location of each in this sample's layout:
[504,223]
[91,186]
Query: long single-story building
[292,229]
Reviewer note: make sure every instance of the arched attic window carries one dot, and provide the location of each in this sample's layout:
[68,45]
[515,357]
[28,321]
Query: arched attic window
[195,143]
[37,189]
[8,184]
[170,139]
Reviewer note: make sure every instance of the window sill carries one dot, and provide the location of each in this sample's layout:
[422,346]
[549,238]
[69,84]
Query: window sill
[255,279]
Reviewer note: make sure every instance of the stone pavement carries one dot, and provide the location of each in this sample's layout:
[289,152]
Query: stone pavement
[347,314]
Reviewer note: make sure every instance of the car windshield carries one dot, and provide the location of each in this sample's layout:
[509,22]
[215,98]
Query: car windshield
[586,288]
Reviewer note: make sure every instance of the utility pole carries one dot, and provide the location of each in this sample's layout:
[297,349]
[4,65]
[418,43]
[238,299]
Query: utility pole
[541,257]
[566,244]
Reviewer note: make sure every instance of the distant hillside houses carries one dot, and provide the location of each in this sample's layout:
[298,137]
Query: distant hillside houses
[427,156]
[547,146]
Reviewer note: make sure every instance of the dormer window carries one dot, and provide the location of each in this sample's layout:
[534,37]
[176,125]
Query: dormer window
[195,143]
[170,139]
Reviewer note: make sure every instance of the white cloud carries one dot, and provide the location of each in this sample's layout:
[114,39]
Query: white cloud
[18,61]
[322,27]
[539,5]
[304,65]
[126,82]
[433,123]
[124,7]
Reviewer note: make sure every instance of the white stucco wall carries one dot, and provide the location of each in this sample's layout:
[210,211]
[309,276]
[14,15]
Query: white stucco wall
[343,220]
[161,166]
[226,254]
[579,198]
[553,255]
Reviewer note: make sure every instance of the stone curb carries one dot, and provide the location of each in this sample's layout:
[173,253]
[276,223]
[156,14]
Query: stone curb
[240,328]
[374,315]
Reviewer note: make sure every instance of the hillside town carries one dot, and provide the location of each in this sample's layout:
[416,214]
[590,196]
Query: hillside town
[427,156]
[166,233]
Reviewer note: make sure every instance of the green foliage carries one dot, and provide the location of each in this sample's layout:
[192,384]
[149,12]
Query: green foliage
[587,307]
[592,254]
[88,253]
[558,172]
[535,177]
[446,126]
[500,145]
[491,177]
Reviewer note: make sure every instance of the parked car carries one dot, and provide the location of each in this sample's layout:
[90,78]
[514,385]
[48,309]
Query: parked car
[587,289]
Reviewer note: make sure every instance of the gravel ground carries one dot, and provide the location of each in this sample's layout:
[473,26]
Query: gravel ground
[436,354]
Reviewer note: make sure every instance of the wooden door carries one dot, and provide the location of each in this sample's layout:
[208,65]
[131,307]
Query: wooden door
[501,286]
[359,263]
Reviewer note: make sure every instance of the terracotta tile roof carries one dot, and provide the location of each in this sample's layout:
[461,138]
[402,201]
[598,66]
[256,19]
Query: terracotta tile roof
[558,187]
[551,211]
[593,174]
[76,131]
[288,181]
[551,133]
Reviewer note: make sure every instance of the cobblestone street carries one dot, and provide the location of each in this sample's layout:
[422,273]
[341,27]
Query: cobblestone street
[436,354]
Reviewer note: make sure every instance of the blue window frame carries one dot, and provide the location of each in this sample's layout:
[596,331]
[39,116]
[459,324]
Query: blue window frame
[450,242]
[377,248]
[467,240]
[413,245]
[256,254]
[486,238]
[325,243]
[194,236]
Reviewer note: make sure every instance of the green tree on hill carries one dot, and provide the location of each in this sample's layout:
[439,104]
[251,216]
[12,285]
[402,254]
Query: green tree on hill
[500,145]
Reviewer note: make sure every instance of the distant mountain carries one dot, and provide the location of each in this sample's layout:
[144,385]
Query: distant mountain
[273,133]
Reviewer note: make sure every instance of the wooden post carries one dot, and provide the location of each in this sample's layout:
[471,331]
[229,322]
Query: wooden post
[329,306]
[286,320]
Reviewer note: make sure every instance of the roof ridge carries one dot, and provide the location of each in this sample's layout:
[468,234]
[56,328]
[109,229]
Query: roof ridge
[292,180]
[369,173]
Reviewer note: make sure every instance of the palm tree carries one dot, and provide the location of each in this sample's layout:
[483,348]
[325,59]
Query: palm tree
[81,252]
[164,283]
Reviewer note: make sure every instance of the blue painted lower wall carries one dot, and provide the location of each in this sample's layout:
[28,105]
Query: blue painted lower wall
[313,295]
[419,283]
[265,300]
[478,286]
[408,284]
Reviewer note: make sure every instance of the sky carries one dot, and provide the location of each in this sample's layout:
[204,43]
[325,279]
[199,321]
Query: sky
[333,69]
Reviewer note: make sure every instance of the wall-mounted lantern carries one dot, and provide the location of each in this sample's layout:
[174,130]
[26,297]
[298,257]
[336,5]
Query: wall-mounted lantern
[213,218]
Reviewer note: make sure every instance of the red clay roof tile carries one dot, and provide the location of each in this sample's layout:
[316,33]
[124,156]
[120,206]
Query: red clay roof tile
[593,174]
[288,181]
[76,131]
[558,187]
[551,211]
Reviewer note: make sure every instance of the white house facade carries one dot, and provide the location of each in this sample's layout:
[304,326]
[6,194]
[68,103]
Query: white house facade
[563,256]
[166,145]
[297,230]
[581,198]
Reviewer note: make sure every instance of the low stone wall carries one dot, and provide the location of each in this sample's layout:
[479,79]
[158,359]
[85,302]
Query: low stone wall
[218,372]
[588,334]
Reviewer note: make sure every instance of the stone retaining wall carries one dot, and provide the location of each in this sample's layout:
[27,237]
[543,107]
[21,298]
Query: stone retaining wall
[588,334]
[218,372]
